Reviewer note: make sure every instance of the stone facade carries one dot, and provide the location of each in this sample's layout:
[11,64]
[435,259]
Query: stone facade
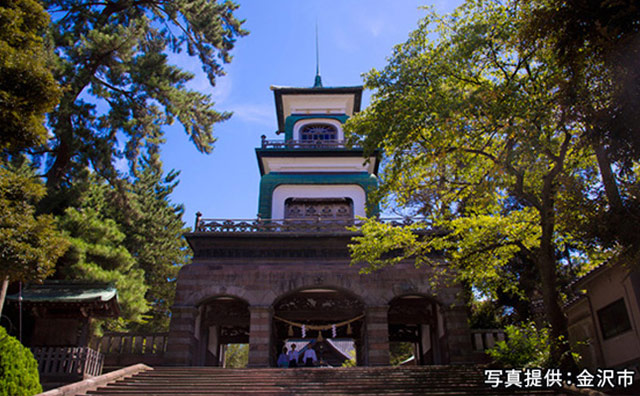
[262,268]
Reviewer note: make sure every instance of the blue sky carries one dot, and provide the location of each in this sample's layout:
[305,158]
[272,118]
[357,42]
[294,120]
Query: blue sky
[354,37]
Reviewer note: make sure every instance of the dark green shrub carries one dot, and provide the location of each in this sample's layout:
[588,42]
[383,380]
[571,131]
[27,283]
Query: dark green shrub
[18,368]
[525,346]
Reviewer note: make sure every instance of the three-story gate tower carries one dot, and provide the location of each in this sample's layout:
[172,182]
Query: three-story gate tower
[288,273]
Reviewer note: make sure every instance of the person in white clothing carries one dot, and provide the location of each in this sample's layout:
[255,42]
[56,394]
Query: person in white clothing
[309,358]
[293,356]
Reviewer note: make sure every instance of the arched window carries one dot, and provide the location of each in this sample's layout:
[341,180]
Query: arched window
[318,131]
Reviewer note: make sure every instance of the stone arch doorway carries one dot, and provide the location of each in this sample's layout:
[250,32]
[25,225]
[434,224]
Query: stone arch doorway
[333,322]
[221,321]
[417,320]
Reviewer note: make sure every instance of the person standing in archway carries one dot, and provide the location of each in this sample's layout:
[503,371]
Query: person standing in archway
[309,358]
[293,356]
[283,359]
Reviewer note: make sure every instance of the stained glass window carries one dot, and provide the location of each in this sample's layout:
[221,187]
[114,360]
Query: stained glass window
[318,131]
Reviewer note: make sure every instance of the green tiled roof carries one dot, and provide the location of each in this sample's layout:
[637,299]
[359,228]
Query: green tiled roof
[65,291]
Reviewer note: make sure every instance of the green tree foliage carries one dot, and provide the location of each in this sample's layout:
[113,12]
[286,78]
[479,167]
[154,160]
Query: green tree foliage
[120,88]
[351,362]
[486,314]
[27,88]
[597,44]
[97,254]
[525,346]
[30,244]
[236,356]
[399,352]
[153,229]
[133,239]
[476,143]
[18,368]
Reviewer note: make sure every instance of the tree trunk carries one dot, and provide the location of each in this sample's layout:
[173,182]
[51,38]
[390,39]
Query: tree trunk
[608,178]
[546,260]
[3,293]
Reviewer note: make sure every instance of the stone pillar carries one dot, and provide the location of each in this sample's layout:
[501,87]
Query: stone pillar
[458,335]
[181,343]
[377,336]
[259,336]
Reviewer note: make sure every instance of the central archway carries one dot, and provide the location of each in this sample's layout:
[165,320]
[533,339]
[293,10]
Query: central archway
[329,320]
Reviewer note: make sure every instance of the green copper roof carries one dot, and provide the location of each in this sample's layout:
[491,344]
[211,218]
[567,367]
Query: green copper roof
[64,291]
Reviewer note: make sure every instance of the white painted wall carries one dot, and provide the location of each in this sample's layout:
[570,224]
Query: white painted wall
[285,191]
[317,104]
[606,288]
[317,164]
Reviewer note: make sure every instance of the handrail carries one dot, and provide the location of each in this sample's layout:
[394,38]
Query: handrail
[305,144]
[91,384]
[307,224]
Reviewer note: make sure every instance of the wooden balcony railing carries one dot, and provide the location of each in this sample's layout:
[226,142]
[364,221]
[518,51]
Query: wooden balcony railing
[68,362]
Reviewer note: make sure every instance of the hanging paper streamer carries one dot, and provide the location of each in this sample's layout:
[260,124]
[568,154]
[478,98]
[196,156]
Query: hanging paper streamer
[290,331]
[333,331]
[349,331]
[320,339]
[304,331]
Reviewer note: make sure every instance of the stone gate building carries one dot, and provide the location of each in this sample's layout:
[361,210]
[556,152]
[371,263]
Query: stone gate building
[287,274]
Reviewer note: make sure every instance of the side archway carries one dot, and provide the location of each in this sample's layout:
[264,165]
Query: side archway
[221,321]
[416,320]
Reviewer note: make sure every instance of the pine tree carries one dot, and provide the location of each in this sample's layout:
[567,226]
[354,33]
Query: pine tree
[120,89]
[154,237]
[97,254]
[27,87]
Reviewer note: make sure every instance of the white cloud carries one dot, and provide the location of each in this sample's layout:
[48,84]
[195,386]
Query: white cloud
[221,92]
[374,25]
[255,113]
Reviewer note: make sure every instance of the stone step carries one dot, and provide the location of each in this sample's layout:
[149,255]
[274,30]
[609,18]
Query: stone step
[388,381]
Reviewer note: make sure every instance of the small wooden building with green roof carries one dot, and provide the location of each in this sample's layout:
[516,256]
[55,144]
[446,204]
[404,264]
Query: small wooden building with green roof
[58,317]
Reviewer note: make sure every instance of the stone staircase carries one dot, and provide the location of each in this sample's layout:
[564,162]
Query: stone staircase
[431,381]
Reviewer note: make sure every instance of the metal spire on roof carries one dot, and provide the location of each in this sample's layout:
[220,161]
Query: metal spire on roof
[318,82]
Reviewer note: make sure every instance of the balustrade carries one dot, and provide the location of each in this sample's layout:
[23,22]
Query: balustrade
[122,349]
[307,224]
[304,144]
[68,362]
